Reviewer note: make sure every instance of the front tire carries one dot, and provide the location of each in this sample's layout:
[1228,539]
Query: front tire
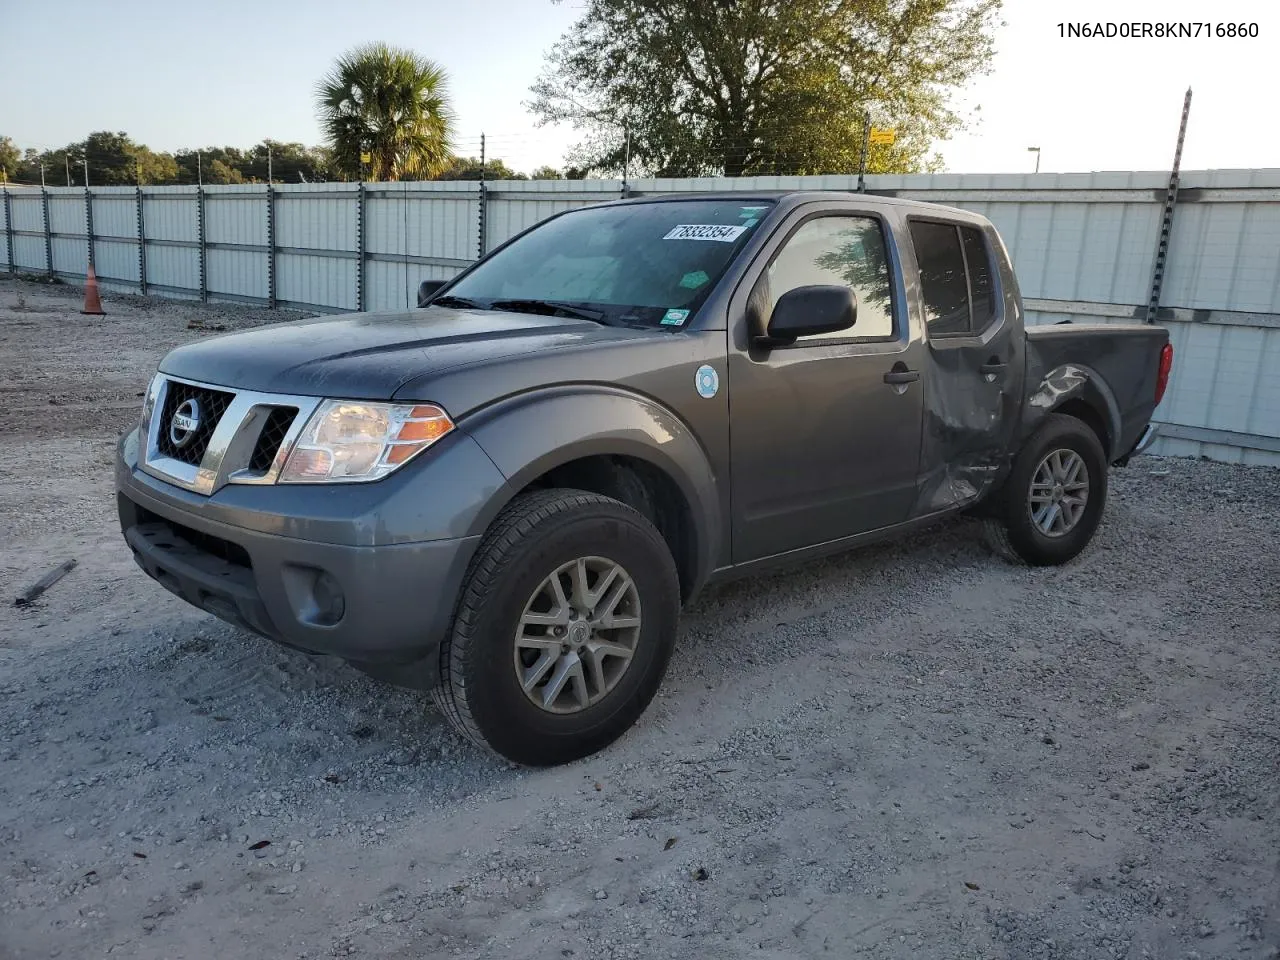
[563,631]
[1052,502]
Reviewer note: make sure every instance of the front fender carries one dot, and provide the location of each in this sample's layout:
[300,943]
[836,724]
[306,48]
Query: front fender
[528,435]
[1074,381]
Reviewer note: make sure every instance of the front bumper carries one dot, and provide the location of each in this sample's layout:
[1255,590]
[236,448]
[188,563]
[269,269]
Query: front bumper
[387,604]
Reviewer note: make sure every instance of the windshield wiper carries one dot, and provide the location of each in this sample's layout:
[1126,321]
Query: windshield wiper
[549,307]
[460,302]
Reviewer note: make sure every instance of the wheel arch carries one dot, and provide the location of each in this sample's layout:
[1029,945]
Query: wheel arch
[1077,391]
[616,444]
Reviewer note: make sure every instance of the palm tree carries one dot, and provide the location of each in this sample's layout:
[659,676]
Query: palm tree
[392,104]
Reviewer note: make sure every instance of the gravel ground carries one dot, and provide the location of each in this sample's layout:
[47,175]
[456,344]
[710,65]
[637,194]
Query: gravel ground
[916,750]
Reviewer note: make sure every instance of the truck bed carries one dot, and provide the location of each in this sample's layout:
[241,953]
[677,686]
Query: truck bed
[1124,357]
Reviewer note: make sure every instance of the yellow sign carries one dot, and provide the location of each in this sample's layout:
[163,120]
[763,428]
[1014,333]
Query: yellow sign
[883,137]
[366,157]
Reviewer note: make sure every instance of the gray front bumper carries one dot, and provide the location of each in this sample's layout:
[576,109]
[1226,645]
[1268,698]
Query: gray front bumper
[398,598]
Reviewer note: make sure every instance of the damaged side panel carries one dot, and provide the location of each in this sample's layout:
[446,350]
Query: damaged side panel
[973,390]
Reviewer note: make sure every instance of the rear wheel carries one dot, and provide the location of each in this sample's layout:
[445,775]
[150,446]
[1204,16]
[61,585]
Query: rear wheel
[1052,502]
[563,631]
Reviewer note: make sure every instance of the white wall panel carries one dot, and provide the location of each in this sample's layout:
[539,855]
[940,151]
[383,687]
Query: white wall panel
[69,255]
[322,281]
[115,212]
[237,272]
[236,215]
[66,211]
[170,215]
[28,211]
[29,253]
[116,260]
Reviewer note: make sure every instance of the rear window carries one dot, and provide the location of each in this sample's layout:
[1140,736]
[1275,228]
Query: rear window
[955,278]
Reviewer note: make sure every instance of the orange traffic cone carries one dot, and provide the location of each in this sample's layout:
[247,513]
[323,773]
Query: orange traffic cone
[92,302]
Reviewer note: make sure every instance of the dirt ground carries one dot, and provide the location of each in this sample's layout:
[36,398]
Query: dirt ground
[912,751]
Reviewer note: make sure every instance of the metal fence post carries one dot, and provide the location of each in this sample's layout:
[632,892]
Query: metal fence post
[271,247]
[142,245]
[204,276]
[483,200]
[1166,222]
[88,224]
[48,235]
[8,229]
[360,247]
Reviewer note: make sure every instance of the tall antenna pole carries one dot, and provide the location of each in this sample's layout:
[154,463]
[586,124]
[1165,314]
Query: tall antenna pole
[67,158]
[199,170]
[86,171]
[269,178]
[42,175]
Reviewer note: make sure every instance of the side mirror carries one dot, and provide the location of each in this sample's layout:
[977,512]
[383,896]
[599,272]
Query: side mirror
[810,311]
[427,289]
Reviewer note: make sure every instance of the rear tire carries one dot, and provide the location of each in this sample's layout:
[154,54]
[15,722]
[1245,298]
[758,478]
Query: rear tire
[1053,500]
[554,574]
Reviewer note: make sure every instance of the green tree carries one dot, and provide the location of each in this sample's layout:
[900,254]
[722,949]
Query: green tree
[468,168]
[741,87]
[10,158]
[392,104]
[116,160]
[546,173]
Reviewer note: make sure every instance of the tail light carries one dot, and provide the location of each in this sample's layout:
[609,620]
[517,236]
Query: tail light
[1162,374]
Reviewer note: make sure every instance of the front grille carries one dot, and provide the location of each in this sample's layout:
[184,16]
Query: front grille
[273,431]
[212,405]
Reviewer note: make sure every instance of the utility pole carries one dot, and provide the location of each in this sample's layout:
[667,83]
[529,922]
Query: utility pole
[269,179]
[626,159]
[862,161]
[42,176]
[67,158]
[199,170]
[86,171]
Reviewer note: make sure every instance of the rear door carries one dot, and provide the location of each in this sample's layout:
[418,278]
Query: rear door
[823,446]
[974,368]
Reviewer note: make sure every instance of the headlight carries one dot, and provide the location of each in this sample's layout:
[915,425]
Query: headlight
[148,406]
[347,441]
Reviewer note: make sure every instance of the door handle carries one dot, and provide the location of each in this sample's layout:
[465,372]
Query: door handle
[993,367]
[901,376]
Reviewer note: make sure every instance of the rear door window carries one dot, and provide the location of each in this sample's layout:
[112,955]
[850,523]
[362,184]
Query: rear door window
[978,263]
[944,288]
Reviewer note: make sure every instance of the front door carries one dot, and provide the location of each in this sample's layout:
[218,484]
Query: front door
[823,446]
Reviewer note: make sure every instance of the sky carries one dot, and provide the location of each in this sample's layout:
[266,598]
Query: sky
[236,72]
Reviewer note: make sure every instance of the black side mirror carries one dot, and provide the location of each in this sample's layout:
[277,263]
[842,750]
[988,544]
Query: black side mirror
[810,311]
[427,289]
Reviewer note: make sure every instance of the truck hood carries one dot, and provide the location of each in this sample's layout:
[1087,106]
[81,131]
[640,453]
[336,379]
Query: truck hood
[370,356]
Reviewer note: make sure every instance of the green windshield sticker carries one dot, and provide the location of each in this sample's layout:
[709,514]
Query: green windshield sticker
[694,280]
[750,223]
[675,318]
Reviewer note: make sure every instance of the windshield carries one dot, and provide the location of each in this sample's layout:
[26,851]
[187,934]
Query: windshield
[647,264]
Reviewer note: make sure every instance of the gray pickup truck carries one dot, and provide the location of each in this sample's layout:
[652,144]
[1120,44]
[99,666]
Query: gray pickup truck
[506,495]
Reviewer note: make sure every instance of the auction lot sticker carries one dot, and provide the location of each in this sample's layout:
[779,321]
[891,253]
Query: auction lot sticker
[723,232]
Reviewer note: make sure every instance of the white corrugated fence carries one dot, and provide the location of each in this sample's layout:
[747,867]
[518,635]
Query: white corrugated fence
[1083,245]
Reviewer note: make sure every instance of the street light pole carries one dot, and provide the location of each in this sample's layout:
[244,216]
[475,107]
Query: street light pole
[1036,151]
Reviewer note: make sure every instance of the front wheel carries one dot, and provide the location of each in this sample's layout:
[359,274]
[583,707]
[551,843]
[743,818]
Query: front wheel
[564,629]
[1052,502]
